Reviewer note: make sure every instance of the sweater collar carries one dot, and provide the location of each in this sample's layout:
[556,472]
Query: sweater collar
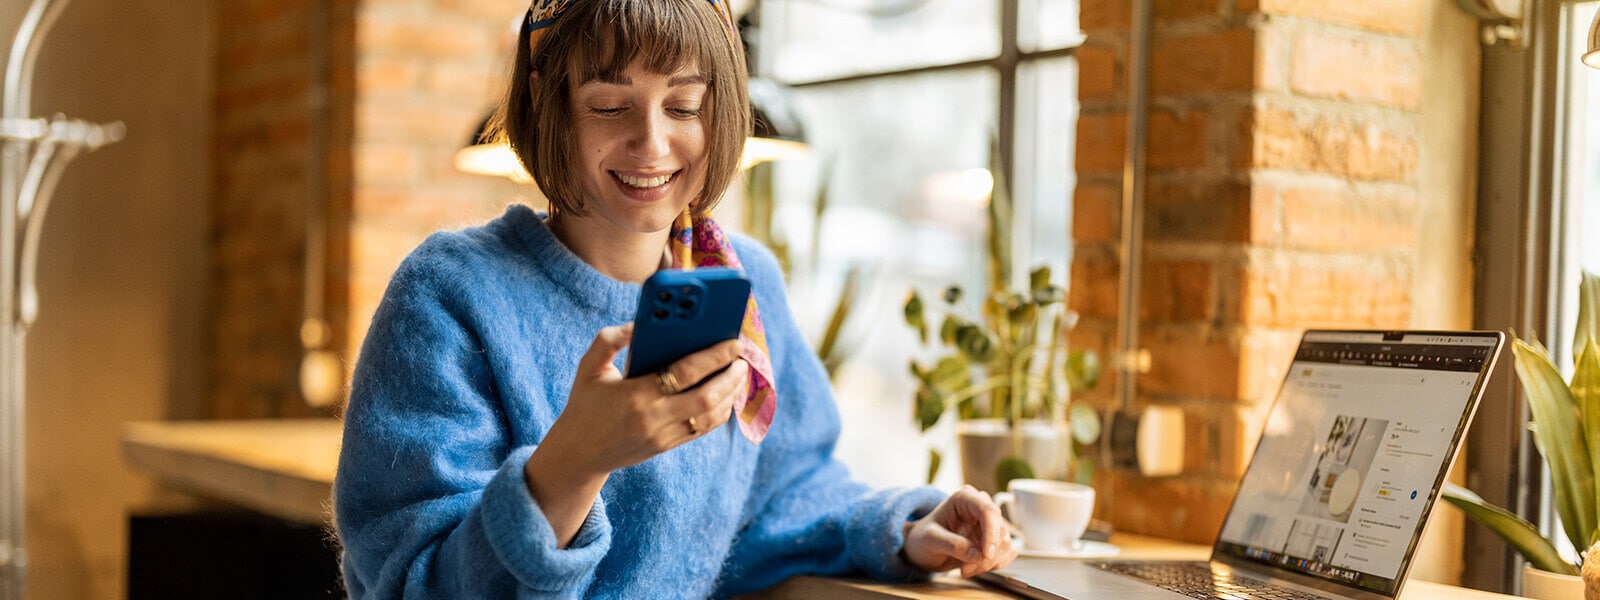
[583,283]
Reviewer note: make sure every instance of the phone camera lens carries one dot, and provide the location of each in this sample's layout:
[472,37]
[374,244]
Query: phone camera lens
[661,313]
[686,304]
[664,296]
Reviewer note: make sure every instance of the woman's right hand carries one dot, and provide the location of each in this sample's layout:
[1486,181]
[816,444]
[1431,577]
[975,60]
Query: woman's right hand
[611,422]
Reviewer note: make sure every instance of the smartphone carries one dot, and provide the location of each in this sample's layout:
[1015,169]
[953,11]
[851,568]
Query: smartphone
[683,312]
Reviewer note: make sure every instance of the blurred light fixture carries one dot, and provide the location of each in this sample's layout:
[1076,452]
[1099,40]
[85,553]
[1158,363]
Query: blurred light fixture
[779,135]
[1592,57]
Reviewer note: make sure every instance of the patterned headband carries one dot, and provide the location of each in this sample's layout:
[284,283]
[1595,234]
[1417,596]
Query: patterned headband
[542,14]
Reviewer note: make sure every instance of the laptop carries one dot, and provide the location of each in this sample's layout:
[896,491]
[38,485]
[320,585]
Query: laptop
[1351,458]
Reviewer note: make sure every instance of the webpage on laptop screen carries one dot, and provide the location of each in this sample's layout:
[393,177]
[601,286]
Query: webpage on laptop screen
[1349,456]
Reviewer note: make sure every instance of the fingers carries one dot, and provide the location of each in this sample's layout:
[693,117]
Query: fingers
[979,519]
[709,406]
[598,359]
[692,368]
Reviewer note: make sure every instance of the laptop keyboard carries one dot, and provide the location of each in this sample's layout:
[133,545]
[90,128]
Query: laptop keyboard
[1198,580]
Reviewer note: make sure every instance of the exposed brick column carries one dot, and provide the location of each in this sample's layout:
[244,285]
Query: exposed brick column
[1282,194]
[425,75]
[264,82]
[409,83]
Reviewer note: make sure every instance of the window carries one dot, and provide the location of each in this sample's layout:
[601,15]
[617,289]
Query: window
[902,102]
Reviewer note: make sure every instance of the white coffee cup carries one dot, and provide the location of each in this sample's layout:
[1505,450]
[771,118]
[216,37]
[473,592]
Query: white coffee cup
[1048,515]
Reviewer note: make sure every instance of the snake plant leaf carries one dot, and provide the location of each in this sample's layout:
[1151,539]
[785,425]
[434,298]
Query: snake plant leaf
[1558,432]
[914,315]
[1085,423]
[975,343]
[1522,535]
[930,406]
[1009,468]
[1586,392]
[1588,303]
[934,460]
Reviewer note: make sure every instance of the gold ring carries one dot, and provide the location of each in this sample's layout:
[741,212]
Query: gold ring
[693,430]
[667,382]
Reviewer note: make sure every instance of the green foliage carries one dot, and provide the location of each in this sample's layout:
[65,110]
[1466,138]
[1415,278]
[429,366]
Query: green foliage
[1566,429]
[1010,468]
[1006,363]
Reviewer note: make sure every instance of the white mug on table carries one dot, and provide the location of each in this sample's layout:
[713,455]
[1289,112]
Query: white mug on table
[1049,516]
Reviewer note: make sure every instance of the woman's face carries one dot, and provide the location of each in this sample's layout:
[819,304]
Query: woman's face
[641,145]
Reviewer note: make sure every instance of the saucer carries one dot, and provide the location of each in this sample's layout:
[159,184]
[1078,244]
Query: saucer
[1085,549]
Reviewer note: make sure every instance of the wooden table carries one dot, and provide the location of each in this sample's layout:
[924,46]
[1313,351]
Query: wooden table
[285,468]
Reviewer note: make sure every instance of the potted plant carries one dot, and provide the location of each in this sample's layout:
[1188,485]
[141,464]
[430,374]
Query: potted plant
[1566,429]
[1006,374]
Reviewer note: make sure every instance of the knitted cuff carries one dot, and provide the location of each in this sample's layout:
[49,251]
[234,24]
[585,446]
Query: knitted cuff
[875,532]
[525,542]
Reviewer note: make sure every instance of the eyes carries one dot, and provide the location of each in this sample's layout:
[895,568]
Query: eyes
[616,110]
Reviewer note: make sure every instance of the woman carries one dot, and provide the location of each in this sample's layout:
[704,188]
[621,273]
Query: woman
[492,447]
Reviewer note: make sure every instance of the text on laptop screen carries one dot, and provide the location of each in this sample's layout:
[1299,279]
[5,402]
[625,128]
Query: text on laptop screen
[1352,453]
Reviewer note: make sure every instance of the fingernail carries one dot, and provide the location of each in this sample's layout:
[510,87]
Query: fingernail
[989,552]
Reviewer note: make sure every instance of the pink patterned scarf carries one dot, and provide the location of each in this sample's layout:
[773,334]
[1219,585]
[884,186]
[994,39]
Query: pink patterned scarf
[699,242]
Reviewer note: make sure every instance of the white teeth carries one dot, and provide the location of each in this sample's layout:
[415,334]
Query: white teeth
[643,182]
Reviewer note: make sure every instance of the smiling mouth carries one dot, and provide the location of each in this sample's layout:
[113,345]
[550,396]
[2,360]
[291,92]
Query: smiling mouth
[643,183]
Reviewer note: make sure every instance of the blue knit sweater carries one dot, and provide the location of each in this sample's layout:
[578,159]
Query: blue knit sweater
[470,359]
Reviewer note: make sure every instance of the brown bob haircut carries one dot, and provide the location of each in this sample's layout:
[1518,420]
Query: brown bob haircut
[598,39]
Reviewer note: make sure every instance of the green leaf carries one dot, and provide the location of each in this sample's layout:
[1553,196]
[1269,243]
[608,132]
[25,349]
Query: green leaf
[828,349]
[930,406]
[975,343]
[914,318]
[1085,423]
[1558,432]
[1049,295]
[952,294]
[948,329]
[1083,470]
[1586,393]
[1039,280]
[1520,534]
[1083,370]
[934,460]
[1588,303]
[952,373]
[1009,468]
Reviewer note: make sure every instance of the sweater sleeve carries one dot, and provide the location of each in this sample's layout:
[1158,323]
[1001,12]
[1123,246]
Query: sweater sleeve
[806,515]
[430,499]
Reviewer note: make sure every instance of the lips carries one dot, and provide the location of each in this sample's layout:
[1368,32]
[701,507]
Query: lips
[643,182]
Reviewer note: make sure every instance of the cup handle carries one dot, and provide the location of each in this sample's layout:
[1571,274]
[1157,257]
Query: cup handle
[1005,500]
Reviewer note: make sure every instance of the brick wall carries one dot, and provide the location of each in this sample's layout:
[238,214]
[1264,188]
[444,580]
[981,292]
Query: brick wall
[1283,194]
[408,81]
[264,165]
[426,74]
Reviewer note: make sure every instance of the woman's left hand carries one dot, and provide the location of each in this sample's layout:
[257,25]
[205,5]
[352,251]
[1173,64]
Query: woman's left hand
[966,531]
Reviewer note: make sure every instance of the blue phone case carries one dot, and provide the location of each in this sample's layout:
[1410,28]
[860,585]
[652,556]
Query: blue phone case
[683,312]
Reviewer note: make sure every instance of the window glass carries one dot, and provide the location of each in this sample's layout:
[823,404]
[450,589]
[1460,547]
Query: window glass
[826,39]
[1047,118]
[1047,25]
[1583,139]
[904,160]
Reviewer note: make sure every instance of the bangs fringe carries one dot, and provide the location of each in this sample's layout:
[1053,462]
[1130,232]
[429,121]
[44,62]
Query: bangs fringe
[666,36]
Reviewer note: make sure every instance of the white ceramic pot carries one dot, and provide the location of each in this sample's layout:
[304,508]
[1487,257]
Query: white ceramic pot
[984,442]
[1544,585]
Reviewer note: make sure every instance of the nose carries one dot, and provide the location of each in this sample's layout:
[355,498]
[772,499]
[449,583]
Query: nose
[651,139]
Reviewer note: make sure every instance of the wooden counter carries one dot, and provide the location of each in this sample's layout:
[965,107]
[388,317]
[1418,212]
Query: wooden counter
[285,468]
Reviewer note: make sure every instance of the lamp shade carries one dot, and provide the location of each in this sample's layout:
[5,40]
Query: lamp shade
[1592,57]
[779,134]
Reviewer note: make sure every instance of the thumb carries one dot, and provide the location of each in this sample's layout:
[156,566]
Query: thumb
[941,542]
[599,359]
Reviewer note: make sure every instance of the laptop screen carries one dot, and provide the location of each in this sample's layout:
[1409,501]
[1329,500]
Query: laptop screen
[1354,452]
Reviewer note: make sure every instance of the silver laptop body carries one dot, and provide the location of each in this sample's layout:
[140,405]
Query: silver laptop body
[1349,463]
